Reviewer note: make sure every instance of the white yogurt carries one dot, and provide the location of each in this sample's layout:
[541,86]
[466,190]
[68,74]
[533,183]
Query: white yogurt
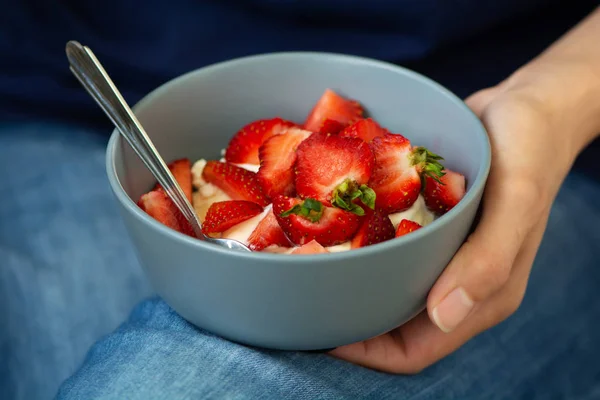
[207,193]
[249,167]
[242,231]
[418,213]
[197,168]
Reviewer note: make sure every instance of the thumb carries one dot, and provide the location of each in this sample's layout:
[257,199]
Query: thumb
[483,264]
[478,101]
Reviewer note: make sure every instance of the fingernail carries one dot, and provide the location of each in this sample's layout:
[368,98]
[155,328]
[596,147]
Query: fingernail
[452,310]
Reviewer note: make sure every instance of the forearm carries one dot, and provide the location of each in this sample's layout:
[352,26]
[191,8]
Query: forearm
[566,80]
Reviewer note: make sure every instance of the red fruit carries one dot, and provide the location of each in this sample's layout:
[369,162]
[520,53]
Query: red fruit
[277,157]
[267,233]
[310,248]
[441,197]
[335,107]
[182,172]
[406,226]
[335,171]
[395,180]
[304,221]
[236,182]
[397,174]
[331,126]
[160,207]
[376,227]
[243,147]
[366,129]
[223,215]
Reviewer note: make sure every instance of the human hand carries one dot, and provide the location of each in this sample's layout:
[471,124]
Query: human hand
[486,280]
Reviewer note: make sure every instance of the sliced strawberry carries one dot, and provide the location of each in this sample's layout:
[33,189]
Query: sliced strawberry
[332,106]
[395,180]
[376,227]
[441,197]
[335,171]
[238,183]
[182,172]
[160,207]
[397,174]
[243,147]
[304,221]
[406,226]
[223,215]
[331,126]
[312,247]
[267,233]
[277,157]
[366,129]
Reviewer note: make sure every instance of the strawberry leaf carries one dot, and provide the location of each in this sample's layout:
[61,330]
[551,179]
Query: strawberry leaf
[356,209]
[367,196]
[310,209]
[434,171]
[428,164]
[340,202]
[348,191]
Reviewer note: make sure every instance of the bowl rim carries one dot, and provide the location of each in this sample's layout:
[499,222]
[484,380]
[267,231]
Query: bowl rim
[130,205]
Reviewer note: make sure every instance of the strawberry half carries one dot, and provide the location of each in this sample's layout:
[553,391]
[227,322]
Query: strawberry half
[160,207]
[442,195]
[406,226]
[365,129]
[332,106]
[223,215]
[398,169]
[243,147]
[331,126]
[335,170]
[238,183]
[312,247]
[277,157]
[267,233]
[376,227]
[304,221]
[182,172]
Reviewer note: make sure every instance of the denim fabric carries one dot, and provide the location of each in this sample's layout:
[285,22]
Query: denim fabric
[67,271]
[68,276]
[547,350]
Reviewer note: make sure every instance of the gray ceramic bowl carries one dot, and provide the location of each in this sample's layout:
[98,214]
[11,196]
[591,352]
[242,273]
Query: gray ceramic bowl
[296,302]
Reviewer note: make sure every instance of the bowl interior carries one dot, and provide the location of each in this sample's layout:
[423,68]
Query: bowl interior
[195,115]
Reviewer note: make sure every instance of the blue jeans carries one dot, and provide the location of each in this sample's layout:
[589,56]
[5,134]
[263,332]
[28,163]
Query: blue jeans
[68,277]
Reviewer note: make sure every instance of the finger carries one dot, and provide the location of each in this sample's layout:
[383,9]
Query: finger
[481,99]
[505,302]
[392,352]
[419,343]
[483,263]
[410,348]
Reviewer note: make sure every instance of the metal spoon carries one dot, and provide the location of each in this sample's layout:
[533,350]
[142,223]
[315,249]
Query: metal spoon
[90,73]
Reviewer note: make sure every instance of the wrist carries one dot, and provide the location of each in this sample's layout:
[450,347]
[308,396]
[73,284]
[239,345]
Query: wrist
[569,93]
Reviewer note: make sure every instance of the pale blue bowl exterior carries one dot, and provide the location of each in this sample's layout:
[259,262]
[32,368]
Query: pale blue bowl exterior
[297,302]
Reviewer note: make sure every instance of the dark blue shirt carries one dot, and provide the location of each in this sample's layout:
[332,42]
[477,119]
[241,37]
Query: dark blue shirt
[464,44]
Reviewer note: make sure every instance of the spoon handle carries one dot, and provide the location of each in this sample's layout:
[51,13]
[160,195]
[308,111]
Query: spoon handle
[88,70]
